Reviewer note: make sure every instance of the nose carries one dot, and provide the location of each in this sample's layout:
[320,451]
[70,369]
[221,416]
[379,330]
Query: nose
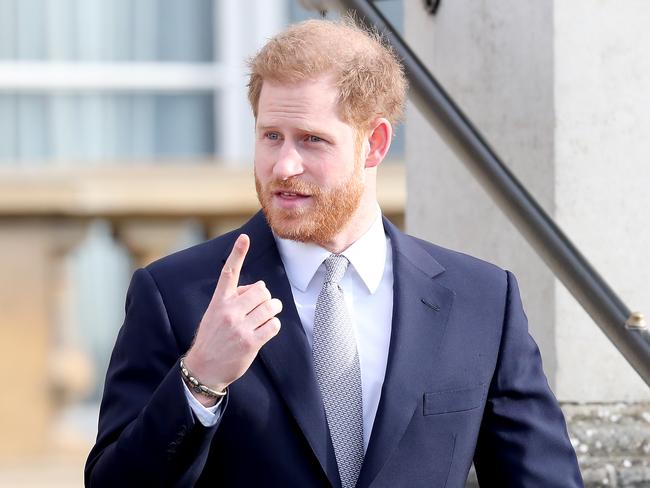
[289,162]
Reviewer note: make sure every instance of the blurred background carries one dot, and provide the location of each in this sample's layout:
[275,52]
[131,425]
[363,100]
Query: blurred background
[125,134]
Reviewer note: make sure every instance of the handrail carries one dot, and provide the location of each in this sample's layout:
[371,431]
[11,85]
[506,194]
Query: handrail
[553,246]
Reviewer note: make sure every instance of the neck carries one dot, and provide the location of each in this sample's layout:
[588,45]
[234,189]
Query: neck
[359,223]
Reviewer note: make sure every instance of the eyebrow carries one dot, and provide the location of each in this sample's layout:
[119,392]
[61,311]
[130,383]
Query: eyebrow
[305,129]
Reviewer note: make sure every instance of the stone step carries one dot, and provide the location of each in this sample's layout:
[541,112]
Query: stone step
[612,442]
[609,431]
[616,472]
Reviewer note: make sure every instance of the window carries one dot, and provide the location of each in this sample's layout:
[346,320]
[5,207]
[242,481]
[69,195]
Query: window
[113,82]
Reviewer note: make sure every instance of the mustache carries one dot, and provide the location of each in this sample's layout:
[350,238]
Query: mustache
[294,186]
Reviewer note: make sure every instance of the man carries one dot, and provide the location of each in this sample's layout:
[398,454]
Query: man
[318,345]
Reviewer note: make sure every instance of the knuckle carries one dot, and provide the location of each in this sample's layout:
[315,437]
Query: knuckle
[270,307]
[270,329]
[247,342]
[255,314]
[275,325]
[229,318]
[262,291]
[266,294]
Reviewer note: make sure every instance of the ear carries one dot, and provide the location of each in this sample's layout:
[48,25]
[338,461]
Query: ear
[380,135]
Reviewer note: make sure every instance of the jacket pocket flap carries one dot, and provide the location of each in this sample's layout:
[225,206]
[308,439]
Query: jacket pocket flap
[453,400]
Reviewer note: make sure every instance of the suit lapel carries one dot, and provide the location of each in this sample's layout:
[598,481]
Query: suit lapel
[287,356]
[420,311]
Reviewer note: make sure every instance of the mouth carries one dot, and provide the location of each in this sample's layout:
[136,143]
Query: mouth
[291,200]
[290,194]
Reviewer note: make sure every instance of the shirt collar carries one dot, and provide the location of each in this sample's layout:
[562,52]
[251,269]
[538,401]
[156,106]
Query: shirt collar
[367,255]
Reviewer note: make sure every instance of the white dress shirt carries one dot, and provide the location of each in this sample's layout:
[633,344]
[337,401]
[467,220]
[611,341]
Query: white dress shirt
[368,289]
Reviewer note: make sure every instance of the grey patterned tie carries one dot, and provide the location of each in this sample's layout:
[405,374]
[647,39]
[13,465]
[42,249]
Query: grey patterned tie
[336,361]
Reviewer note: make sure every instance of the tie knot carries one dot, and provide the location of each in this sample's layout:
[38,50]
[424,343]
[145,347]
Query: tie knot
[335,266]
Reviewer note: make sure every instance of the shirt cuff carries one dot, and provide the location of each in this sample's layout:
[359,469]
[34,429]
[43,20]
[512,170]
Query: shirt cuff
[208,416]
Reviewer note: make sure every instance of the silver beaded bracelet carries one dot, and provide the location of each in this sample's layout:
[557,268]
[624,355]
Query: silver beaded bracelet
[195,385]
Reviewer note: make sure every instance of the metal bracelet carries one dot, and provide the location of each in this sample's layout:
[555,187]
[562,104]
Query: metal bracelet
[195,385]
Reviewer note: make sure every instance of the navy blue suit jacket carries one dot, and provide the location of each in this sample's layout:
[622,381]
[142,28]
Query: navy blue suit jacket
[464,382]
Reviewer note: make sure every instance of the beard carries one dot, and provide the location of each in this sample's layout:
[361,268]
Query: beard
[326,215]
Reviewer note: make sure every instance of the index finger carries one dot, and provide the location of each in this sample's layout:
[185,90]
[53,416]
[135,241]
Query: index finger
[229,278]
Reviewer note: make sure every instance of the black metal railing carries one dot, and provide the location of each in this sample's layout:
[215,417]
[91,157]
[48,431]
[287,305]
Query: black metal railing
[553,246]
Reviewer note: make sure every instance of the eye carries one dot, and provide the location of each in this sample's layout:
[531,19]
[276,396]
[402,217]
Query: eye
[272,136]
[311,138]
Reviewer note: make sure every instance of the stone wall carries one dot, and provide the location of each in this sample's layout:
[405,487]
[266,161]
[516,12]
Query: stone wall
[612,442]
[560,91]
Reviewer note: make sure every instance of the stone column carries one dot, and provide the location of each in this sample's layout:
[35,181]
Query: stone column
[30,253]
[560,90]
[149,240]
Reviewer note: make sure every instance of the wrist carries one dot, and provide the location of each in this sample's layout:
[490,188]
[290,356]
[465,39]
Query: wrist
[205,394]
[193,362]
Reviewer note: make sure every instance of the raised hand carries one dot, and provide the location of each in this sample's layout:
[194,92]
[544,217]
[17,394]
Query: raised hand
[238,321]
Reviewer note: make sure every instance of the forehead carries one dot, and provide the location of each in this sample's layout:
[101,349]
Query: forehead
[308,100]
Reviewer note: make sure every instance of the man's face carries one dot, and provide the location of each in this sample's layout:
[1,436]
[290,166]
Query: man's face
[308,168]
